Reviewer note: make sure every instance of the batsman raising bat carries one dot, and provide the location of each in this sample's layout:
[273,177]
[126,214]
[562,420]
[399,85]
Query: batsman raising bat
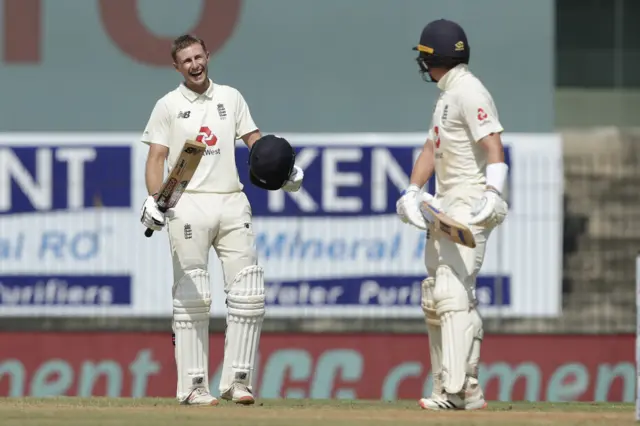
[213,212]
[465,150]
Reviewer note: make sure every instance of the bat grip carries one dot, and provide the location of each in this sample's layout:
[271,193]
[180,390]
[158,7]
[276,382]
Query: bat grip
[149,232]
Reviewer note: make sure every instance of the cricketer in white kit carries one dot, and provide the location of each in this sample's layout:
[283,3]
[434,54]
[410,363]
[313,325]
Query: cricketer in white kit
[465,151]
[213,212]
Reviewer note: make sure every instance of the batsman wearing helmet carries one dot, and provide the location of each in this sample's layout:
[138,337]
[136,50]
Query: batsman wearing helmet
[212,212]
[465,151]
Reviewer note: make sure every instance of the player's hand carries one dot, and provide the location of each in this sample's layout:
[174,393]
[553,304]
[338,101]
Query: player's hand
[490,211]
[295,180]
[407,207]
[428,198]
[151,216]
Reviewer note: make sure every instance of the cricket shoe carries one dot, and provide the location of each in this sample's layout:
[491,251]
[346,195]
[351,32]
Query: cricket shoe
[239,394]
[199,396]
[473,400]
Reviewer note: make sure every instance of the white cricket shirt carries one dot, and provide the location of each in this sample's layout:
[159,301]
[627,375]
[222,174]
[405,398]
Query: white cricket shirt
[218,117]
[464,114]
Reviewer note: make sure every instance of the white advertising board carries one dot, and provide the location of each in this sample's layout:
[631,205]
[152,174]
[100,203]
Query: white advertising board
[71,242]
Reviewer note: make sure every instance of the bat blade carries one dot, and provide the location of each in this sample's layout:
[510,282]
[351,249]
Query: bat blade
[451,229]
[175,184]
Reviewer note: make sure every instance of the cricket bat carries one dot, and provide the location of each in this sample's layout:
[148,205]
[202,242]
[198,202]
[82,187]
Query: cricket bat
[451,229]
[173,187]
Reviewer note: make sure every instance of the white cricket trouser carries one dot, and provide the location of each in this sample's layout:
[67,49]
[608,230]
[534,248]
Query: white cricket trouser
[465,261]
[204,220]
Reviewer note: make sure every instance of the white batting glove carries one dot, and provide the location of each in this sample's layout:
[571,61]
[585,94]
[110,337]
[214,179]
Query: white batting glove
[295,180]
[490,211]
[151,216]
[407,207]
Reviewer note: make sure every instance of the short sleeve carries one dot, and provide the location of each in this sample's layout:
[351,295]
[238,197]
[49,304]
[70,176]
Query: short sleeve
[481,116]
[158,126]
[244,121]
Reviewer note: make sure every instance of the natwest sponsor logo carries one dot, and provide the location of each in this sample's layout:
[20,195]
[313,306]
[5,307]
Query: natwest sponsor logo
[350,366]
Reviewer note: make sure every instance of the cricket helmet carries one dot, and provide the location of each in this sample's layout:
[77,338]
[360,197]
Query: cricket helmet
[443,44]
[271,162]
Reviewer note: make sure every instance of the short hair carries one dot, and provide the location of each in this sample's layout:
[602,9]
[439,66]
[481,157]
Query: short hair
[185,41]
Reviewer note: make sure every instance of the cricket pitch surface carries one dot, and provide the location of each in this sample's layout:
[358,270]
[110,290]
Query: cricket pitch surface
[297,412]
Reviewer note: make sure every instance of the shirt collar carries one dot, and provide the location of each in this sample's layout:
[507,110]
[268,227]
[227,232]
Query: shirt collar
[452,76]
[192,96]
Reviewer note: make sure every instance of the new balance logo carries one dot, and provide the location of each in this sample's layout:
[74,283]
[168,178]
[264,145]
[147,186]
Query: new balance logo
[184,114]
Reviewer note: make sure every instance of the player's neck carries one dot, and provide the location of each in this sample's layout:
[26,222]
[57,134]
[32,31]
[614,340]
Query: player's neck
[198,88]
[449,77]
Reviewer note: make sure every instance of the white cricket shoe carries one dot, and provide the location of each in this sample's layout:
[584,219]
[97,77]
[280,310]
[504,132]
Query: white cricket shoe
[470,399]
[199,394]
[239,394]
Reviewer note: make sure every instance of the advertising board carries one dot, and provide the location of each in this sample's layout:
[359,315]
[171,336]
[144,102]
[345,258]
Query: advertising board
[320,366]
[71,242]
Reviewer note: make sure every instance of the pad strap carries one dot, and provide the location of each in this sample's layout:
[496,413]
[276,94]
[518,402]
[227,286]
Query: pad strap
[428,303]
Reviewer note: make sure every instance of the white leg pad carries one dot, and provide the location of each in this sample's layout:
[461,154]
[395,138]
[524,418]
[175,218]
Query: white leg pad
[191,306]
[432,320]
[478,335]
[245,312]
[452,306]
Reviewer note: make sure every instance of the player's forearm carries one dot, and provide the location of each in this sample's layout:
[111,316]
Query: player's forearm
[423,168]
[497,170]
[154,174]
[251,138]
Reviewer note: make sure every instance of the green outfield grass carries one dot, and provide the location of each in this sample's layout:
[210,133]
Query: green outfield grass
[166,412]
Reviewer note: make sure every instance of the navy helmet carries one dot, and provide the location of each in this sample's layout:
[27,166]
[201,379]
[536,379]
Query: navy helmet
[443,44]
[271,161]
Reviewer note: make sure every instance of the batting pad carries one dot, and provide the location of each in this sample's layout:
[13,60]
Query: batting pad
[245,312]
[435,333]
[478,334]
[191,305]
[452,306]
